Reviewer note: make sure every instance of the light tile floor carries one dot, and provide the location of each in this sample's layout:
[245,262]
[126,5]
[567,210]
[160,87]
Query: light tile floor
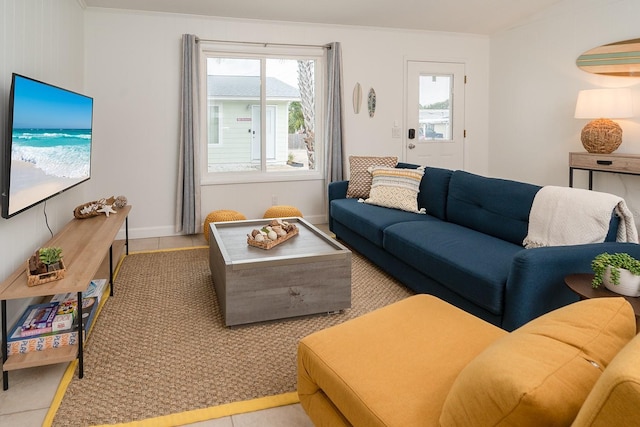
[31,390]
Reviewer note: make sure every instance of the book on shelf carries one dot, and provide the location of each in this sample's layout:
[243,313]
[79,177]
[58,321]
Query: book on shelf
[62,322]
[96,289]
[16,343]
[38,318]
[35,332]
[67,307]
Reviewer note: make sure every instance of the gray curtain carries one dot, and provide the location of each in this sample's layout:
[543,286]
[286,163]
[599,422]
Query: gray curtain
[334,148]
[188,216]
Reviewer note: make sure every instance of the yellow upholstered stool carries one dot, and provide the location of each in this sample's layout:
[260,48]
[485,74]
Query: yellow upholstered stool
[220,216]
[280,211]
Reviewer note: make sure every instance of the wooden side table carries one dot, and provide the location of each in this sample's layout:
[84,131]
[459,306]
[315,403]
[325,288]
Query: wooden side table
[581,285]
[628,164]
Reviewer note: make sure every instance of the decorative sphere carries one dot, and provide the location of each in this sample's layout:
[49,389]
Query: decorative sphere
[601,136]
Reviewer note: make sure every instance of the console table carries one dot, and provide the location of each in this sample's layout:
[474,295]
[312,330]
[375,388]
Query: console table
[84,244]
[628,164]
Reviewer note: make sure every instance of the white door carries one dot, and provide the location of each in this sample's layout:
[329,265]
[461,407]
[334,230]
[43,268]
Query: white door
[270,131]
[435,114]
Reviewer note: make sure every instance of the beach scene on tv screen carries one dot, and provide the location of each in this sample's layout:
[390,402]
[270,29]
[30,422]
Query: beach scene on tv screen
[51,142]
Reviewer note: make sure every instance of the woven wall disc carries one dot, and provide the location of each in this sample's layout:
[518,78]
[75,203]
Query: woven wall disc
[602,136]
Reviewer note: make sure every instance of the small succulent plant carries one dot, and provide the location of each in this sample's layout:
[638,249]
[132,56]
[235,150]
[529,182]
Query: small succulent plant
[50,256]
[615,261]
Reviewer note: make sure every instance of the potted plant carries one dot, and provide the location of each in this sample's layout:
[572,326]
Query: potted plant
[619,272]
[44,266]
[51,257]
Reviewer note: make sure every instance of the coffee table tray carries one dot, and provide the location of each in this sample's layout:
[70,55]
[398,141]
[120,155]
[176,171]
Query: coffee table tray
[271,243]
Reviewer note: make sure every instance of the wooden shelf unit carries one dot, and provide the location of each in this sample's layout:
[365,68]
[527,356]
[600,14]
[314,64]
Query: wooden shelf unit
[84,243]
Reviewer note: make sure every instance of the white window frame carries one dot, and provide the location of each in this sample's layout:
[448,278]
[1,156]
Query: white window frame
[230,50]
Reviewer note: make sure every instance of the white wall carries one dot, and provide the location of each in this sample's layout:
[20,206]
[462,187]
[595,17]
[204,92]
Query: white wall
[42,40]
[133,70]
[534,87]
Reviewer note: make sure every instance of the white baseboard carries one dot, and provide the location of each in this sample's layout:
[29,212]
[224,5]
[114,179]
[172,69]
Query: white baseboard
[165,231]
[148,232]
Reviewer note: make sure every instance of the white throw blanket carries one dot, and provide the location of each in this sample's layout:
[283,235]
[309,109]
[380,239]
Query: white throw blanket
[572,216]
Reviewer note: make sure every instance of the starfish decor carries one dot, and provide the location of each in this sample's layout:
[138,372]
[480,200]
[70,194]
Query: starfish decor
[106,209]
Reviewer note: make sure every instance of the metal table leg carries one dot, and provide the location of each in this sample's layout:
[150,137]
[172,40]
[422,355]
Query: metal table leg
[80,338]
[5,374]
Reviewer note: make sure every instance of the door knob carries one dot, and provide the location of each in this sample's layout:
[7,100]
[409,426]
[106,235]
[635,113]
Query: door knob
[412,146]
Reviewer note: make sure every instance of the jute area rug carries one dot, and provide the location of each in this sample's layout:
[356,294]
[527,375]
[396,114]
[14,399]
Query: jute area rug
[159,353]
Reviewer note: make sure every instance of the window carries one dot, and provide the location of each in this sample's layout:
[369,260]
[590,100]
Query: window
[435,107]
[271,121]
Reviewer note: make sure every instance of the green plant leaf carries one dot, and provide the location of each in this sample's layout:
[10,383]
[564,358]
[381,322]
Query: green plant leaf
[618,260]
[50,255]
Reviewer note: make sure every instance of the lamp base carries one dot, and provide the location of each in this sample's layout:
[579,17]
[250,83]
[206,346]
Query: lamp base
[602,136]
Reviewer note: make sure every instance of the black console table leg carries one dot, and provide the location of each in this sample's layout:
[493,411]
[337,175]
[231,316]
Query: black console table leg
[570,177]
[80,338]
[126,234]
[5,374]
[111,270]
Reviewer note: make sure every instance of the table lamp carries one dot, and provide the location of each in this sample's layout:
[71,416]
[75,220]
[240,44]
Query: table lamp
[603,135]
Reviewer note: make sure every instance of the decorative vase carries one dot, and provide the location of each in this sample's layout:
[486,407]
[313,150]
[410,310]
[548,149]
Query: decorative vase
[629,284]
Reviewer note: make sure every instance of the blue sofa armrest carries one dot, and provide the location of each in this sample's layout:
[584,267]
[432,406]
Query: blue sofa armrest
[336,190]
[536,285]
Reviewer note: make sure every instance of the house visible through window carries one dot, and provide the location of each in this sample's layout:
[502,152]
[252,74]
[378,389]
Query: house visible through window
[214,124]
[261,114]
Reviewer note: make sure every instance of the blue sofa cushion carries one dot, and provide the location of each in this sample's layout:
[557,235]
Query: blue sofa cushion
[493,206]
[472,264]
[433,189]
[612,235]
[369,221]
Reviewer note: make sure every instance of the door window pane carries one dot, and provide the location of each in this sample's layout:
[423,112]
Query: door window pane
[434,114]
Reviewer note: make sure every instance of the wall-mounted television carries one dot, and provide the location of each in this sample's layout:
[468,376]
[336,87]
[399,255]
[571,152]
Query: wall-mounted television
[48,146]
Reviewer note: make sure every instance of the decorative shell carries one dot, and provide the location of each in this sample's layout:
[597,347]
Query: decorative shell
[120,202]
[280,231]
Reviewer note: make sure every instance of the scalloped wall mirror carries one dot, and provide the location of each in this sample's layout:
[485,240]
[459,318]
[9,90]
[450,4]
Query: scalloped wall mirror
[614,59]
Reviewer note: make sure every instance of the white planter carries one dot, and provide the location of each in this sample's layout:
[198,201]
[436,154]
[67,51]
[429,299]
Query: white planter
[629,284]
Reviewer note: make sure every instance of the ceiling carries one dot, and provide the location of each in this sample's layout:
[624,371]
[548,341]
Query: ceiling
[460,16]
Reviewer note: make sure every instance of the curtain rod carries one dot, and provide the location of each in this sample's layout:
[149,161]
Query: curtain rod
[324,46]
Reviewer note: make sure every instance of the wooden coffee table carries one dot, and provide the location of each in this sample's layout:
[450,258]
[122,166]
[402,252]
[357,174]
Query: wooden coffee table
[581,285]
[309,273]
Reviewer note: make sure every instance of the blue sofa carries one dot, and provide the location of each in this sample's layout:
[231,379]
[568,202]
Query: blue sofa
[468,249]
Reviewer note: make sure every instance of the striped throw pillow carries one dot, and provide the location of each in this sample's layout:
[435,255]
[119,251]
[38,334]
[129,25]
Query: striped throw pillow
[395,188]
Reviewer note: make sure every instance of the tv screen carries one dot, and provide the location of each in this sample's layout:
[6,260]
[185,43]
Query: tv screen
[48,147]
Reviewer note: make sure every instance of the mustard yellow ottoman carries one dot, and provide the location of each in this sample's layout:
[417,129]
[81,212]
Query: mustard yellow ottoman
[221,216]
[391,367]
[281,211]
